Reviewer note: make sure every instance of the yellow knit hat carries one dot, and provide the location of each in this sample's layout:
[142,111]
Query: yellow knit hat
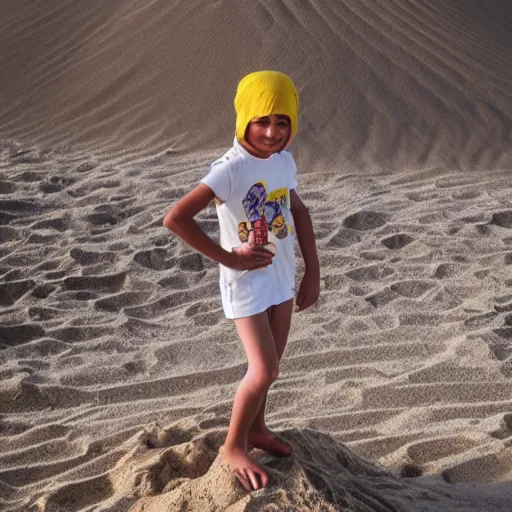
[263,93]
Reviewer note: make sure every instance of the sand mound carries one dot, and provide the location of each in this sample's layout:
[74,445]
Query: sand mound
[177,469]
[300,482]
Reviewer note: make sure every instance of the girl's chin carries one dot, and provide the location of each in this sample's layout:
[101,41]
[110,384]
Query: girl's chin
[263,150]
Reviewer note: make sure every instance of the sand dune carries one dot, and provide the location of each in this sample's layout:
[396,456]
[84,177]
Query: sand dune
[117,366]
[383,85]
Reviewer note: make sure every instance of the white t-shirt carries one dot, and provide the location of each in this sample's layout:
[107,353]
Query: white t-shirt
[253,200]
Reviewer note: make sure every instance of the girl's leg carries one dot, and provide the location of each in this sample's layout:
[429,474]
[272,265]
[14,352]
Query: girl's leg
[263,367]
[259,435]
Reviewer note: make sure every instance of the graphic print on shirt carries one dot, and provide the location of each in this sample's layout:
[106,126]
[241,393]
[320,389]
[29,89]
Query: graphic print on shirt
[265,216]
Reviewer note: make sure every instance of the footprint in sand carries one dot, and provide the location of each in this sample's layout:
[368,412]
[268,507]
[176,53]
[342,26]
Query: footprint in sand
[502,219]
[177,281]
[382,297]
[6,217]
[107,282]
[116,302]
[466,194]
[79,333]
[413,288]
[87,189]
[204,313]
[8,234]
[11,291]
[42,291]
[344,238]
[11,335]
[31,176]
[13,209]
[447,270]
[209,319]
[85,167]
[92,257]
[7,187]
[52,184]
[81,296]
[504,306]
[370,273]
[429,450]
[397,241]
[193,261]
[492,468]
[504,429]
[103,215]
[365,220]
[40,314]
[157,258]
[59,224]
[55,275]
[504,332]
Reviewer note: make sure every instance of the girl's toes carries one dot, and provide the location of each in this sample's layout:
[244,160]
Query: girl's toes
[240,476]
[264,479]
[255,480]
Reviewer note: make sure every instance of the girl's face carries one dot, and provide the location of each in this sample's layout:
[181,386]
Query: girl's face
[267,135]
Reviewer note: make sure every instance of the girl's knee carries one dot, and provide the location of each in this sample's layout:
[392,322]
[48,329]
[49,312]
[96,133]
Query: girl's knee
[274,373]
[263,377]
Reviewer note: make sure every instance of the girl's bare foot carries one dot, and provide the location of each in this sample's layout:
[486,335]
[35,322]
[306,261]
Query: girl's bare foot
[247,471]
[266,440]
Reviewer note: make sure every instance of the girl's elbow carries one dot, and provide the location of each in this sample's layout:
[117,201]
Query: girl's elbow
[171,220]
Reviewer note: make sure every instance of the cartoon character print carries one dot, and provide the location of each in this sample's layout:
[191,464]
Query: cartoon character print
[264,214]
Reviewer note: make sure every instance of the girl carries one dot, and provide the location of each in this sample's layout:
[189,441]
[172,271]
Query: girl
[259,212]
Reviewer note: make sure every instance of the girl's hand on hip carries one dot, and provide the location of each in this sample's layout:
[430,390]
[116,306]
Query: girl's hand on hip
[309,291]
[248,257]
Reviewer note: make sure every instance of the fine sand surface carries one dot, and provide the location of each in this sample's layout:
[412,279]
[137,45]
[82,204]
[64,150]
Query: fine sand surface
[117,366]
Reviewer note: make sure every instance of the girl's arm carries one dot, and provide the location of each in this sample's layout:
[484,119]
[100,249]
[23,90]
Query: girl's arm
[180,220]
[309,290]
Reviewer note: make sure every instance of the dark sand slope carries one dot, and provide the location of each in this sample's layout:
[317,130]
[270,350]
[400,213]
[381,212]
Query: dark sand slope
[384,84]
[117,367]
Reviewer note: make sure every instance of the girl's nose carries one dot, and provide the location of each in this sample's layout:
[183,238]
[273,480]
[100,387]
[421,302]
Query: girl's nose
[271,131]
